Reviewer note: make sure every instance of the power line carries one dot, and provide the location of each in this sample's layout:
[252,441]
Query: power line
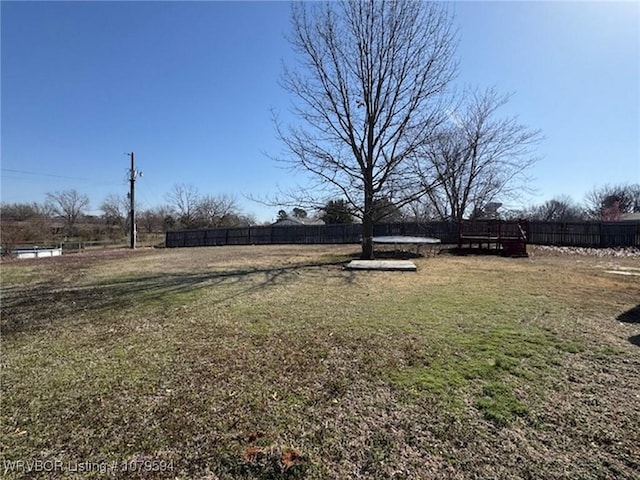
[51,175]
[44,174]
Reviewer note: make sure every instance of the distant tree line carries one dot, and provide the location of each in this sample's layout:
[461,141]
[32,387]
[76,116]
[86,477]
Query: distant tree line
[63,217]
[607,203]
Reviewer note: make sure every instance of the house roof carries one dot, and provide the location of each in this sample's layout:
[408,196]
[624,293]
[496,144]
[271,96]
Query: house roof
[630,216]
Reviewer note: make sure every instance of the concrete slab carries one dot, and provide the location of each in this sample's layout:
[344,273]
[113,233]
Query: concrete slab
[386,265]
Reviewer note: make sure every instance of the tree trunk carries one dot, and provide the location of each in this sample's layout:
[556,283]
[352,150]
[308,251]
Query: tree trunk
[367,227]
[367,239]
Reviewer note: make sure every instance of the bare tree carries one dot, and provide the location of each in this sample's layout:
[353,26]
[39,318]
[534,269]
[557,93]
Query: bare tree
[421,211]
[115,211]
[20,212]
[68,204]
[245,220]
[610,201]
[23,223]
[184,199]
[477,156]
[368,90]
[196,211]
[560,209]
[217,211]
[155,220]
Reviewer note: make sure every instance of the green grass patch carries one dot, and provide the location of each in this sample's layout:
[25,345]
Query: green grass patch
[466,362]
[571,347]
[498,403]
[608,351]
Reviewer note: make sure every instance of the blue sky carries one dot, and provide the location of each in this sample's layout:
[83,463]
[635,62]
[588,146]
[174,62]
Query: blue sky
[189,87]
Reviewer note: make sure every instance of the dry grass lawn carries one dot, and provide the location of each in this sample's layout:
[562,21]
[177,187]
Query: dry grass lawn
[275,362]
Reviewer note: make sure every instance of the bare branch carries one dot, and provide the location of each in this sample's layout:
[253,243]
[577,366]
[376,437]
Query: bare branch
[478,157]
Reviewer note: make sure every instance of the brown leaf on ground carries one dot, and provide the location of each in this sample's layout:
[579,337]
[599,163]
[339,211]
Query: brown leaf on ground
[289,458]
[251,453]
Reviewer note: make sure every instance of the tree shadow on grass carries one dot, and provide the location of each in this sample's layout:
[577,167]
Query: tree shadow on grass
[630,316]
[26,309]
[396,255]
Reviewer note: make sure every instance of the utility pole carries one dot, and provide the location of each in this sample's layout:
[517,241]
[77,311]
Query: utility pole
[133,173]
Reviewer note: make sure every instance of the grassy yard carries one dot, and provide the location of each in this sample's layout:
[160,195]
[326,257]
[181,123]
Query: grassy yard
[275,362]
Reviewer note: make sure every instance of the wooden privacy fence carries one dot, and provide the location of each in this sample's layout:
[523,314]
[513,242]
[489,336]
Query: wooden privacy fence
[309,234]
[575,234]
[585,234]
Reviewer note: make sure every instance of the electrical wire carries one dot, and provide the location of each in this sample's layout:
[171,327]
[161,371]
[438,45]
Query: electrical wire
[51,175]
[11,170]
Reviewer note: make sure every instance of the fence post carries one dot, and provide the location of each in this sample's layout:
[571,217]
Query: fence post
[601,241]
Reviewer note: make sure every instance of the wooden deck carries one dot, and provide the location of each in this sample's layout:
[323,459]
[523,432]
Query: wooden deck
[510,237]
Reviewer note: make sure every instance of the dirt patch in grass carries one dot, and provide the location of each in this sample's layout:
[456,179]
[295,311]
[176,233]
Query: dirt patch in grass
[275,362]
